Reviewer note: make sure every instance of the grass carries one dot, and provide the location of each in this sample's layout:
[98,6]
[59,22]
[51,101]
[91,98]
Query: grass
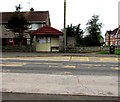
[102,52]
[117,52]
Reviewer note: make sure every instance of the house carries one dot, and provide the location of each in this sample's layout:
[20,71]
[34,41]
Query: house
[47,39]
[102,40]
[113,37]
[36,20]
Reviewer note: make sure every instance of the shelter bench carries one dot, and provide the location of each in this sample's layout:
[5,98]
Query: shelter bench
[54,47]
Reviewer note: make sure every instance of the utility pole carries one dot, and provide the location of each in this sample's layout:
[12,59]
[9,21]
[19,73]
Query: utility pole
[64,25]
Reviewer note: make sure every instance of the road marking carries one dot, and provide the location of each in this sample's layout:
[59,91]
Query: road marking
[57,58]
[79,59]
[12,64]
[67,73]
[47,63]
[115,65]
[115,68]
[53,66]
[60,58]
[92,65]
[97,65]
[68,66]
[109,59]
[73,58]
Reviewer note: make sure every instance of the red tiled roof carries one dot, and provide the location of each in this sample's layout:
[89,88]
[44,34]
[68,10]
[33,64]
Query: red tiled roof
[30,16]
[47,30]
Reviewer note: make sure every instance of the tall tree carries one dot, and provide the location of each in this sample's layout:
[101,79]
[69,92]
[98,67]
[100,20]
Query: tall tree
[93,31]
[79,35]
[70,30]
[76,32]
[18,24]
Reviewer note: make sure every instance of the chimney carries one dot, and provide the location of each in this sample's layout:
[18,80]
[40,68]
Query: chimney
[31,9]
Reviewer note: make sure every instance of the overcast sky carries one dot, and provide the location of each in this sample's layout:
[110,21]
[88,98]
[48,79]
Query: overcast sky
[78,11]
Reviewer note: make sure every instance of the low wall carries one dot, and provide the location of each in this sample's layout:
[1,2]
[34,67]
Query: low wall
[17,49]
[86,49]
[68,49]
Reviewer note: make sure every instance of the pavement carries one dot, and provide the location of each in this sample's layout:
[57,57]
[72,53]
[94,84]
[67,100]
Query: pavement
[69,58]
[60,84]
[75,57]
[37,54]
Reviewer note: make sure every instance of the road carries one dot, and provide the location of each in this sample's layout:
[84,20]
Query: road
[62,65]
[35,97]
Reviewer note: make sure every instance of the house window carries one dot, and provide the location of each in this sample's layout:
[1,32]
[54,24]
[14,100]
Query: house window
[10,40]
[42,40]
[28,41]
[48,39]
[111,43]
[111,36]
[116,43]
[116,36]
[106,37]
[106,43]
[34,26]
[42,25]
[119,43]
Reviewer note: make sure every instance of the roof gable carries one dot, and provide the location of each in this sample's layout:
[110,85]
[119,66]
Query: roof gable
[112,32]
[47,30]
[106,34]
[115,31]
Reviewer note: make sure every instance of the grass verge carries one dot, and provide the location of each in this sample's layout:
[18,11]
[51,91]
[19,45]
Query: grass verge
[117,52]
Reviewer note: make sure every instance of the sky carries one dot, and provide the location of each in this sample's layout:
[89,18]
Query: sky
[78,11]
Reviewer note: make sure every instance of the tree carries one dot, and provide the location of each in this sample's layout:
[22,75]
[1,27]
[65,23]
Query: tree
[93,31]
[18,24]
[70,30]
[76,32]
[79,35]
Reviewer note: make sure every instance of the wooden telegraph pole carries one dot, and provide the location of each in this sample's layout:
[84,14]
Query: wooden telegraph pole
[64,25]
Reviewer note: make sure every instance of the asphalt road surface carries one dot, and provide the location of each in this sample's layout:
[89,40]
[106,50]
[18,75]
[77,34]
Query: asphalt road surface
[31,65]
[76,66]
[20,96]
